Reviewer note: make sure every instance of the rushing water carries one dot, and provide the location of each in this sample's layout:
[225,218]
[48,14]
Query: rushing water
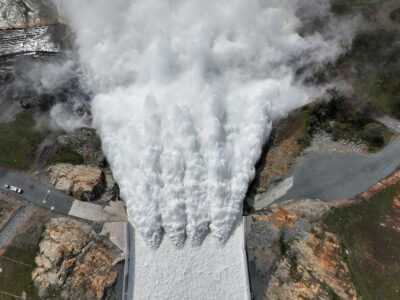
[185,92]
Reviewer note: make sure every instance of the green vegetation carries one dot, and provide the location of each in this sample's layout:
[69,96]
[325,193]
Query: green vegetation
[17,263]
[19,141]
[395,15]
[345,6]
[304,137]
[65,155]
[344,121]
[374,68]
[368,232]
[15,278]
[374,134]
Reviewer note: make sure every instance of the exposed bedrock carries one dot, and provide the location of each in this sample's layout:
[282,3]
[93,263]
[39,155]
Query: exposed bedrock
[292,257]
[17,14]
[74,261]
[82,182]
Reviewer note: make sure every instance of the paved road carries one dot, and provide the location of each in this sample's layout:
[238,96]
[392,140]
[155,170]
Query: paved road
[37,193]
[340,176]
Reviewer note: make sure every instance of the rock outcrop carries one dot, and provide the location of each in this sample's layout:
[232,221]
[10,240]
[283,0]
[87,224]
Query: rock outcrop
[111,192]
[312,268]
[292,257]
[87,143]
[74,261]
[82,182]
[20,14]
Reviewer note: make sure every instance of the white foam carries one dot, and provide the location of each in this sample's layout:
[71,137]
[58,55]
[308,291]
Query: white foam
[185,95]
[211,272]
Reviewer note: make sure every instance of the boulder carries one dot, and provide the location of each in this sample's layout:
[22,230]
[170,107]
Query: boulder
[74,261]
[82,182]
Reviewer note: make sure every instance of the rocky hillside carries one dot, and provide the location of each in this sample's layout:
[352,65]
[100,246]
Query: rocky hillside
[74,262]
[292,257]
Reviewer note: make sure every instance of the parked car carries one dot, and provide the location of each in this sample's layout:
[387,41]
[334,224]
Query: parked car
[13,189]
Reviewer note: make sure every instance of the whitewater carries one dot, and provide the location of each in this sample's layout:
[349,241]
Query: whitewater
[185,95]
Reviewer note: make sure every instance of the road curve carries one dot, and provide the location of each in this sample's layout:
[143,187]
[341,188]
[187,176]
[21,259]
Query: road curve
[341,175]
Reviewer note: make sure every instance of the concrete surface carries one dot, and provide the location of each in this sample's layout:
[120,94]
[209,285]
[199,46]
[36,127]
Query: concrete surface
[276,191]
[211,271]
[97,213]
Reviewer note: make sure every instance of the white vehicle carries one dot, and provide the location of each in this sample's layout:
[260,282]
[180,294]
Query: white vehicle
[15,189]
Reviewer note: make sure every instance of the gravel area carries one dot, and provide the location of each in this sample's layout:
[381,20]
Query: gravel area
[301,226]
[323,142]
[391,123]
[9,228]
[260,236]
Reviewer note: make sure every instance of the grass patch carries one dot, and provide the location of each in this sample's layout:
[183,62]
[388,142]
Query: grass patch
[303,135]
[18,264]
[373,64]
[16,277]
[65,155]
[19,141]
[373,248]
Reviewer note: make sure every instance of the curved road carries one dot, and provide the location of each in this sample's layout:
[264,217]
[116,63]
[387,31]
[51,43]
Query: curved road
[340,176]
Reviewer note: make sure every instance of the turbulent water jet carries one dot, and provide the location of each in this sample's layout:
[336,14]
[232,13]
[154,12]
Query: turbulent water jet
[185,92]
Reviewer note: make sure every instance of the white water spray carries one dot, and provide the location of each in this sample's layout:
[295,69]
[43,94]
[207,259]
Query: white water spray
[185,94]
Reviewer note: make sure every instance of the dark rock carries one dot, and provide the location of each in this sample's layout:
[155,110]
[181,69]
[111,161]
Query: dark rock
[86,142]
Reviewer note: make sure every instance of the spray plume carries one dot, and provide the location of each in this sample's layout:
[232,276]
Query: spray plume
[185,93]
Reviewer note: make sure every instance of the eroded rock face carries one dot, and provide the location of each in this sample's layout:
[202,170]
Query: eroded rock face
[111,192]
[18,14]
[312,268]
[86,142]
[74,261]
[291,257]
[82,182]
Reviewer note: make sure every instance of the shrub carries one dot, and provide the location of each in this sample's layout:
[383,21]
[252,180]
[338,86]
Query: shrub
[374,134]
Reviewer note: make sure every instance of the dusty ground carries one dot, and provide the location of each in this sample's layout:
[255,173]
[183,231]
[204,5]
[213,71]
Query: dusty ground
[8,206]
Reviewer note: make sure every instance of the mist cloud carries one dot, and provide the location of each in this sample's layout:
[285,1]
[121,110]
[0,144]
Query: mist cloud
[185,93]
